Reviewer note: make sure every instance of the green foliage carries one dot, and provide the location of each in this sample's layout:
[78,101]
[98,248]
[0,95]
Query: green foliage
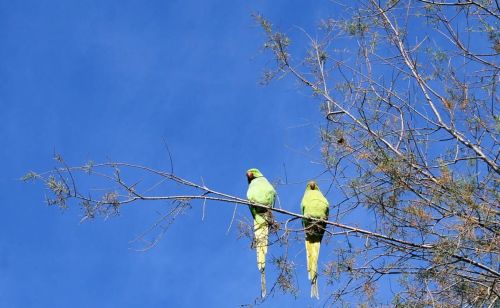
[30,176]
[356,27]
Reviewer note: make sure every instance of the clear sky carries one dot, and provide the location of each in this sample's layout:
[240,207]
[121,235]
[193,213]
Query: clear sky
[107,80]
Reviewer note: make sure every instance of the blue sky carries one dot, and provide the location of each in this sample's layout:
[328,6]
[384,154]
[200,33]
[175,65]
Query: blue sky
[108,80]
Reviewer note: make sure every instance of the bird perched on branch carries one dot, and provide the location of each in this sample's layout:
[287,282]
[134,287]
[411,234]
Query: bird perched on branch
[262,192]
[314,205]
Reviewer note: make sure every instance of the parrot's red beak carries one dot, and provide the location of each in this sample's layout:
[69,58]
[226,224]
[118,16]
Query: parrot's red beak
[249,177]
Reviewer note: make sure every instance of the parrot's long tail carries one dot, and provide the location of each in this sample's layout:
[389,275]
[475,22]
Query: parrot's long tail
[261,237]
[262,284]
[312,249]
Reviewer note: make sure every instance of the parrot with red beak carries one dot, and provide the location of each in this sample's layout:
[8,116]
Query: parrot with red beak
[262,192]
[314,205]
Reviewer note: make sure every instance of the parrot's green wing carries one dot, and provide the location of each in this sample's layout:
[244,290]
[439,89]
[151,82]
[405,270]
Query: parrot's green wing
[314,205]
[262,192]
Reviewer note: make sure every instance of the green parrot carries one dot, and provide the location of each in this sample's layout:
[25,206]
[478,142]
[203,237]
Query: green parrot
[314,205]
[262,192]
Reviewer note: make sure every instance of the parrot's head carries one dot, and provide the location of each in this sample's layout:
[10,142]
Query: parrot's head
[252,174]
[311,185]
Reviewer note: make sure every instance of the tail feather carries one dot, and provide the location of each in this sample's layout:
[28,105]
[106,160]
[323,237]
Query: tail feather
[314,288]
[312,249]
[261,231]
[262,284]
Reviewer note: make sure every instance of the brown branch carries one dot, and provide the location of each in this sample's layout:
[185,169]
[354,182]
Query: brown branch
[213,195]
